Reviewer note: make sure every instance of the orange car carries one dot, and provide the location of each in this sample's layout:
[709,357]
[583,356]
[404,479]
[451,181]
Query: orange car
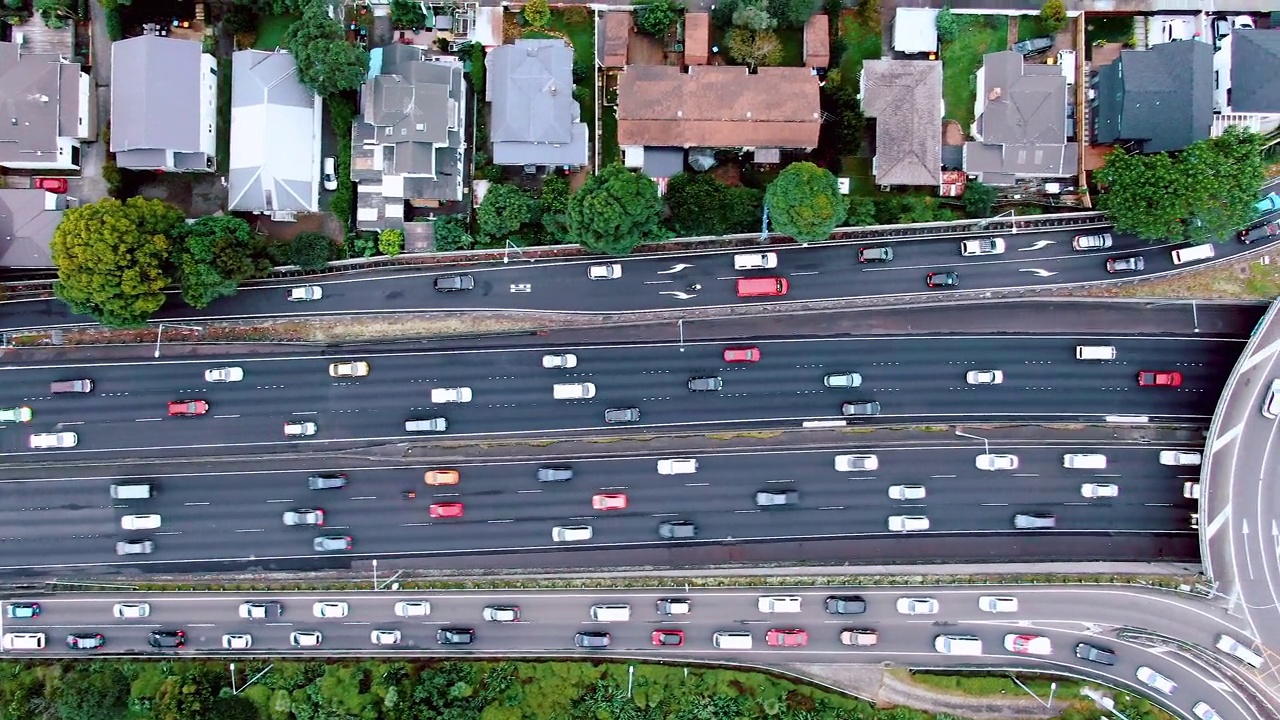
[441,477]
[609,502]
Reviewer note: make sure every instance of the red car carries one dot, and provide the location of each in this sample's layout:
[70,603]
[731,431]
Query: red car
[744,354]
[445,510]
[50,184]
[787,638]
[668,637]
[1159,378]
[188,408]
[616,501]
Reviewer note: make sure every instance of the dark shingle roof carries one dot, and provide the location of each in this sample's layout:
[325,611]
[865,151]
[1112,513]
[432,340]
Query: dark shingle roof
[1255,84]
[904,97]
[1161,98]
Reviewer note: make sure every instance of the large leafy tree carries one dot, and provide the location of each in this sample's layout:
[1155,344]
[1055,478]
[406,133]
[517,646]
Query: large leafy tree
[657,18]
[502,213]
[214,255]
[753,48]
[794,13]
[701,205]
[616,210]
[327,63]
[112,258]
[805,202]
[1203,193]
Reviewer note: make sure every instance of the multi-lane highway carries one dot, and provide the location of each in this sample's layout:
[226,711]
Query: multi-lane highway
[912,378]
[234,519]
[549,621]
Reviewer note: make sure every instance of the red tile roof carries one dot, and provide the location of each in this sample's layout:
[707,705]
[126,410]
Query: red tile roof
[817,42]
[697,38]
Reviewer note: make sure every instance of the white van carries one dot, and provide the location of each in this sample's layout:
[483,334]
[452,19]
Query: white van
[778,603]
[23,641]
[1228,644]
[130,492]
[429,425]
[755,261]
[1182,256]
[44,441]
[611,613]
[573,391]
[958,645]
[570,533]
[1084,461]
[1095,352]
[731,640]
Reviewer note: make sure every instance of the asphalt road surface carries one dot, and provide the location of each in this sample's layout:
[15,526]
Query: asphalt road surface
[549,621]
[914,378]
[234,519]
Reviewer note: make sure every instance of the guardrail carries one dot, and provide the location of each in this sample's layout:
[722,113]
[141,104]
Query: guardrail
[1226,669]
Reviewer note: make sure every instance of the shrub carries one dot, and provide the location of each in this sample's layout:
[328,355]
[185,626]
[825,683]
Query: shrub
[947,24]
[538,13]
[115,28]
[1054,15]
[657,18]
[391,242]
[310,250]
[451,234]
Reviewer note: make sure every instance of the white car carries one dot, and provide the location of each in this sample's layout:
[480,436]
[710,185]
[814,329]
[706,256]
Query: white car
[329,173]
[1099,490]
[917,606]
[564,360]
[1169,29]
[1204,712]
[140,522]
[984,377]
[349,368]
[132,610]
[330,609]
[237,641]
[304,638]
[385,637]
[1028,644]
[1155,680]
[253,611]
[992,461]
[906,492]
[854,463]
[413,608]
[15,415]
[1271,406]
[44,441]
[1179,457]
[1191,490]
[997,604]
[990,246]
[677,466]
[224,374]
[908,523]
[299,428]
[608,271]
[451,395]
[306,292]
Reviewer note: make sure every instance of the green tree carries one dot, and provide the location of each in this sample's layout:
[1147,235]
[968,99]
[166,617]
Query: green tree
[54,13]
[99,692]
[657,18]
[753,15]
[555,208]
[537,13]
[947,24]
[805,202]
[616,210]
[310,250]
[795,13]
[753,48]
[979,199]
[214,255]
[407,15]
[1054,15]
[1205,192]
[451,233]
[327,63]
[701,205]
[112,258]
[391,242]
[505,209]
[862,212]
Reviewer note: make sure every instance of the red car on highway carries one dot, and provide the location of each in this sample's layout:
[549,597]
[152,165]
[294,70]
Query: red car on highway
[188,408]
[445,510]
[668,637]
[1159,378]
[743,354]
[609,501]
[787,638]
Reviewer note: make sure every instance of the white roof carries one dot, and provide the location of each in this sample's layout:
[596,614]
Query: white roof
[915,30]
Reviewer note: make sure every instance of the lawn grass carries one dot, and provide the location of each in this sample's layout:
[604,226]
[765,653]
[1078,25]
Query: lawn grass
[610,152]
[861,34]
[271,30]
[858,170]
[1109,28]
[792,40]
[979,34]
[1032,26]
[224,115]
[988,685]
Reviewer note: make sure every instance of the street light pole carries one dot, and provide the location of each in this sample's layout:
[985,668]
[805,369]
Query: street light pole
[160,333]
[234,691]
[986,446]
[375,573]
[680,326]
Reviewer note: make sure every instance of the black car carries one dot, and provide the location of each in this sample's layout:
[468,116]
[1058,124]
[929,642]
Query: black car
[327,481]
[942,279]
[875,253]
[1261,232]
[1133,263]
[846,605]
[454,283]
[85,641]
[167,638]
[705,384]
[591,639]
[455,636]
[555,474]
[673,529]
[622,415]
[1034,46]
[1093,653]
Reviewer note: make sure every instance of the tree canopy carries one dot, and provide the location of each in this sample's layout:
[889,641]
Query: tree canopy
[805,202]
[502,213]
[701,205]
[1205,192]
[785,13]
[327,63]
[112,258]
[451,234]
[616,210]
[214,255]
[657,18]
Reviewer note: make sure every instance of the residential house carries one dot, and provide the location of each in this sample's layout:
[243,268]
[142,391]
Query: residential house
[905,99]
[28,217]
[1020,126]
[697,38]
[275,136]
[613,35]
[407,144]
[50,108]
[164,94]
[534,120]
[915,31]
[817,42]
[1156,100]
[1247,89]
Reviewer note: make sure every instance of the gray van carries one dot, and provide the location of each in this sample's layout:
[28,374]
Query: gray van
[141,491]
[438,424]
[71,386]
[1035,521]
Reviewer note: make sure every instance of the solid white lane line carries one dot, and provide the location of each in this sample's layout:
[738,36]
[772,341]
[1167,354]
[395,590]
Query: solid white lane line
[195,503]
[255,530]
[1225,438]
[279,501]
[146,419]
[1260,355]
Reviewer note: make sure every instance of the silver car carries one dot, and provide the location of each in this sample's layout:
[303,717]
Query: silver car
[842,380]
[304,517]
[306,292]
[767,498]
[906,492]
[501,613]
[331,543]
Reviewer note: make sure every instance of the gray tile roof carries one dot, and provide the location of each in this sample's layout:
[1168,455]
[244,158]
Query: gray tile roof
[1255,80]
[28,218]
[1159,99]
[275,136]
[1024,117]
[905,98]
[155,100]
[534,118]
[40,97]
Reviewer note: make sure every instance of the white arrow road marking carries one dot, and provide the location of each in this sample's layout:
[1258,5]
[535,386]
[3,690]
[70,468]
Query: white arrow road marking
[1220,686]
[674,269]
[1037,271]
[1038,245]
[1248,556]
[678,295]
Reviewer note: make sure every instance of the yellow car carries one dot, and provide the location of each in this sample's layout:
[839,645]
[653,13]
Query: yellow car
[441,477]
[352,368]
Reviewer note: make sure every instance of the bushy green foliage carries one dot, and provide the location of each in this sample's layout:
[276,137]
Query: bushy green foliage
[537,13]
[947,24]
[391,242]
[327,63]
[113,258]
[214,255]
[504,210]
[753,15]
[861,213]
[795,13]
[407,15]
[555,209]
[616,210]
[362,244]
[657,18]
[341,113]
[451,233]
[1054,15]
[700,205]
[978,199]
[784,13]
[753,48]
[805,202]
[310,250]
[908,208]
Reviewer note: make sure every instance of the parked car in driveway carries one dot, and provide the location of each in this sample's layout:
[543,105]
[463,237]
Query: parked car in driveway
[56,185]
[329,174]
[1034,46]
